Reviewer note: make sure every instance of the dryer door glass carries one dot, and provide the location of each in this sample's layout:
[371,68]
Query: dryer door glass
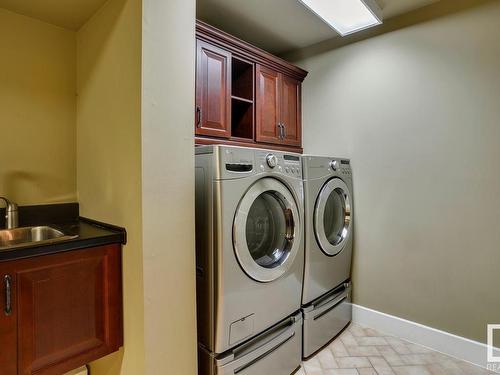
[333,215]
[334,218]
[266,232]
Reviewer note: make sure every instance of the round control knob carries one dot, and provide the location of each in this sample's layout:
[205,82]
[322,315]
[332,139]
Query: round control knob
[334,164]
[271,160]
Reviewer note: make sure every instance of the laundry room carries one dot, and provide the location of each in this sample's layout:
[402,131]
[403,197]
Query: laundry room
[397,123]
[250,187]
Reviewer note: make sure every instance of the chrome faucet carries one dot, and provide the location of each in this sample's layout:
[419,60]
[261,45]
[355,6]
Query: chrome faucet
[11,217]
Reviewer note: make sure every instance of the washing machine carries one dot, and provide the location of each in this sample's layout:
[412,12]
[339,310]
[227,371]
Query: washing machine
[326,296]
[250,260]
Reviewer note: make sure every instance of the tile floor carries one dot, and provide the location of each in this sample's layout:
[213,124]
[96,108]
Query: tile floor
[364,351]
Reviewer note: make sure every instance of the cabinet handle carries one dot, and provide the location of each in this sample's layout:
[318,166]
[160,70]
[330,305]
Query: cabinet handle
[7,282]
[279,130]
[198,116]
[284,130]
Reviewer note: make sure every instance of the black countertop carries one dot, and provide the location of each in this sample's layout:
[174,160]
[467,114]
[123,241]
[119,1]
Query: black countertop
[90,233]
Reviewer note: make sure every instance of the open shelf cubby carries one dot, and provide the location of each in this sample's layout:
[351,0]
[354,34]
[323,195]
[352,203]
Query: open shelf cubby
[242,98]
[241,118]
[242,76]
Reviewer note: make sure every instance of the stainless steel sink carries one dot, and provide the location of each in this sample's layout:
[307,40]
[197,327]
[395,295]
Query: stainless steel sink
[21,237]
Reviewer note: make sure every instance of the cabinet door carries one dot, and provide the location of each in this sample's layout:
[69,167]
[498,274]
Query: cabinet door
[213,91]
[268,105]
[70,309]
[290,111]
[8,321]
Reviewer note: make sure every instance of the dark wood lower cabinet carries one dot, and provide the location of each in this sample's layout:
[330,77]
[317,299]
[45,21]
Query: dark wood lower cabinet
[8,322]
[66,311]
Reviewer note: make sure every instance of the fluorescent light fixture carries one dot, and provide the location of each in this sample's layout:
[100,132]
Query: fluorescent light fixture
[346,16]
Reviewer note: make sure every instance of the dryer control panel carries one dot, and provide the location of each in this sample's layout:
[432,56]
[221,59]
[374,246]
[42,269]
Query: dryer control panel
[345,168]
[319,167]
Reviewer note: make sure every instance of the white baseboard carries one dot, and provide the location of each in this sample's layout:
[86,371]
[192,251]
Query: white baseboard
[441,341]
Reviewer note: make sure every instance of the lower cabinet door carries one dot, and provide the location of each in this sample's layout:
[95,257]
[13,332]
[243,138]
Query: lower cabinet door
[8,321]
[70,309]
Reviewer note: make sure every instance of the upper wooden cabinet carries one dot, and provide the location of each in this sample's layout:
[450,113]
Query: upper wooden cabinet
[291,110]
[244,95]
[268,106]
[278,108]
[212,90]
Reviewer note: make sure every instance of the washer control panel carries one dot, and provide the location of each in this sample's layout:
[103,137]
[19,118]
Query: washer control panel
[237,162]
[293,165]
[288,164]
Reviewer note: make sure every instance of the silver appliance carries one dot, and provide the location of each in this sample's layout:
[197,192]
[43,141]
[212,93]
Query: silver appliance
[276,351]
[250,259]
[328,206]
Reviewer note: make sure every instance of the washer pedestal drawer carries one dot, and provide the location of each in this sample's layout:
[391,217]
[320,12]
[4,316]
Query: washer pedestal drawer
[325,318]
[276,351]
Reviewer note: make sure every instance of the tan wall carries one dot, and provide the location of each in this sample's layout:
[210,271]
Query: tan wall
[109,153]
[168,186]
[104,162]
[418,112]
[37,111]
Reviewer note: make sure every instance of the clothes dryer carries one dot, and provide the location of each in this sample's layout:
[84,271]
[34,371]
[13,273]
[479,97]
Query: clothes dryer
[328,249]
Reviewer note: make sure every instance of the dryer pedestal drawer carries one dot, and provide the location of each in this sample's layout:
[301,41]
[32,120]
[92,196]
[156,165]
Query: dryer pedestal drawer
[325,318]
[276,351]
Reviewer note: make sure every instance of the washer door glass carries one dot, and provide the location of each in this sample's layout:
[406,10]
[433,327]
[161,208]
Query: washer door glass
[333,216]
[265,230]
[269,230]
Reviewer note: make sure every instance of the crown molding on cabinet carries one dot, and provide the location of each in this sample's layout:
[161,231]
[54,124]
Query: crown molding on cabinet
[243,49]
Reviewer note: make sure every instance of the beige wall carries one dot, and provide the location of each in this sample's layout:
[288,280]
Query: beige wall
[37,111]
[417,110]
[109,153]
[76,102]
[168,186]
[75,99]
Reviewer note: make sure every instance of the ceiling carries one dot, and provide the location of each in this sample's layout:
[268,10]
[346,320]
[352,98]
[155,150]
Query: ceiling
[70,14]
[280,26]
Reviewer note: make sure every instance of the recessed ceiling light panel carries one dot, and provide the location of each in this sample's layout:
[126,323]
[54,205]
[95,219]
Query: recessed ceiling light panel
[346,16]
